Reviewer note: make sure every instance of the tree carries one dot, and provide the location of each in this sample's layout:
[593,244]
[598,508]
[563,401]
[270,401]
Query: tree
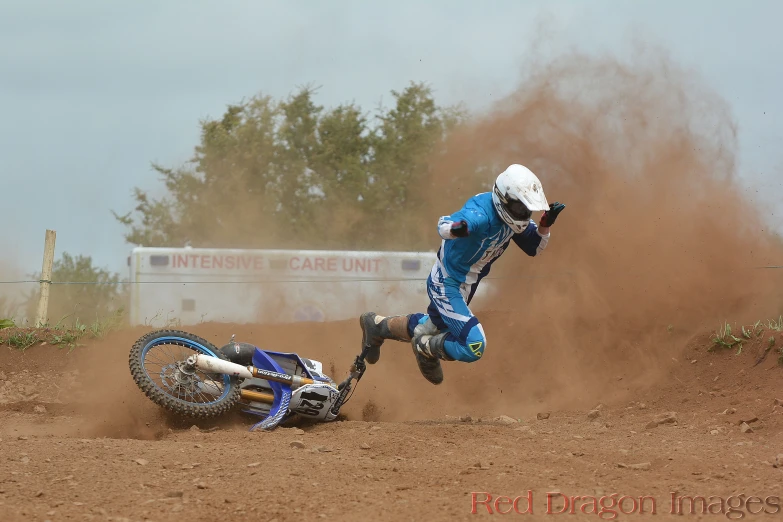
[292,174]
[409,136]
[101,296]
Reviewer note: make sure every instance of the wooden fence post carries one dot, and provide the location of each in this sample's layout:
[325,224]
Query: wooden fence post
[46,279]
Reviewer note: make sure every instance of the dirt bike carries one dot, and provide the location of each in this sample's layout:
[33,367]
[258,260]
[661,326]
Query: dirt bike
[191,377]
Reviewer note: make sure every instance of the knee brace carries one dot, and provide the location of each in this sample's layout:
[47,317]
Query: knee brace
[473,347]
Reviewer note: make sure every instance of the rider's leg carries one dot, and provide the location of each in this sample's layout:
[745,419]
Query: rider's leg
[376,328]
[459,335]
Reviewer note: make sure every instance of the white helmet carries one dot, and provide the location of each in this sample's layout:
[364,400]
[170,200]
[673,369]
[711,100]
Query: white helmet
[516,195]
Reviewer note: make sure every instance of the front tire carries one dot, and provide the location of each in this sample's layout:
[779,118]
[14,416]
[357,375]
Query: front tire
[177,391]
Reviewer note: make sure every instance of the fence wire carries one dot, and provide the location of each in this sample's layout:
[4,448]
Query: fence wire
[262,281]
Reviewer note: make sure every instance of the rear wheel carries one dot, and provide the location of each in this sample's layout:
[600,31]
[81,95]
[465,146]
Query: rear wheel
[157,365]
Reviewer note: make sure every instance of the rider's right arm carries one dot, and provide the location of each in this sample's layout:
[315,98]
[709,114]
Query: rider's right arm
[477,222]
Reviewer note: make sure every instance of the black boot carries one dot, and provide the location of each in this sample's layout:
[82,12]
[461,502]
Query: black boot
[376,328]
[429,350]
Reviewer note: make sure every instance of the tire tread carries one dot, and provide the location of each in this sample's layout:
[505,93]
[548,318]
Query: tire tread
[166,401]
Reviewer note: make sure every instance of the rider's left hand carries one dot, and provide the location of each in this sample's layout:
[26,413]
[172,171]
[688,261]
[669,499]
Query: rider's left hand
[549,217]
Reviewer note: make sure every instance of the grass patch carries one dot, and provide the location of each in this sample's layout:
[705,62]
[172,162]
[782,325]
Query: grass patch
[726,338]
[60,335]
[7,323]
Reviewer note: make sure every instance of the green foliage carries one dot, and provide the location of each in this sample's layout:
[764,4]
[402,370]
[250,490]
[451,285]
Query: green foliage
[724,337]
[7,323]
[101,297]
[60,335]
[292,174]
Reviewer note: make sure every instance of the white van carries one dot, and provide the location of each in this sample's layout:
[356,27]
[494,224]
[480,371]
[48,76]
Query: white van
[192,285]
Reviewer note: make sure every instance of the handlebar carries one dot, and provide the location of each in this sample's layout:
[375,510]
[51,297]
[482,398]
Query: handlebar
[357,370]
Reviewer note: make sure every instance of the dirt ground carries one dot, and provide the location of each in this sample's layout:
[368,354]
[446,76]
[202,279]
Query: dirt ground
[80,442]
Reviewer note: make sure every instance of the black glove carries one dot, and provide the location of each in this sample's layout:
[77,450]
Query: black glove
[549,217]
[460,228]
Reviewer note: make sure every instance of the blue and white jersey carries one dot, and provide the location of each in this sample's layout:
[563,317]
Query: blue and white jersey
[468,259]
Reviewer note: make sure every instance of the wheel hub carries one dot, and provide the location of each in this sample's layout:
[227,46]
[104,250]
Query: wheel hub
[180,378]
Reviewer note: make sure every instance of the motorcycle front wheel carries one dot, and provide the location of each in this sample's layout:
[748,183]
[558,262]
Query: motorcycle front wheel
[157,366]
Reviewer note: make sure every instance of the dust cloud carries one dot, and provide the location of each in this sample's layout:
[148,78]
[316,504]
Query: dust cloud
[14,296]
[660,239]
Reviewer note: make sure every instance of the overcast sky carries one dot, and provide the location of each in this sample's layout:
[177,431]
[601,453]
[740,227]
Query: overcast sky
[93,91]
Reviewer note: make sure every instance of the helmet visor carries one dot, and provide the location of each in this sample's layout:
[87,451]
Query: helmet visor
[517,210]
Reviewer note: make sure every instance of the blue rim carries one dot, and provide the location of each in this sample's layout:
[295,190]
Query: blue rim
[189,344]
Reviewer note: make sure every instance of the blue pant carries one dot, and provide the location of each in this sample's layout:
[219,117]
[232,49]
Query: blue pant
[448,311]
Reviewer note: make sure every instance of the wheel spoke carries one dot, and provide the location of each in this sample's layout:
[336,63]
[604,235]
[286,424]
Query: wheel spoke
[173,379]
[158,365]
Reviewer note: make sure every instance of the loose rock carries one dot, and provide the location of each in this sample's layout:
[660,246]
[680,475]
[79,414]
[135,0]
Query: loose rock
[666,418]
[297,444]
[745,428]
[505,419]
[542,416]
[593,414]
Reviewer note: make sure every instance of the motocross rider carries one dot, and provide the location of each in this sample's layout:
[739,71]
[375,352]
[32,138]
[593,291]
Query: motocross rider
[472,239]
